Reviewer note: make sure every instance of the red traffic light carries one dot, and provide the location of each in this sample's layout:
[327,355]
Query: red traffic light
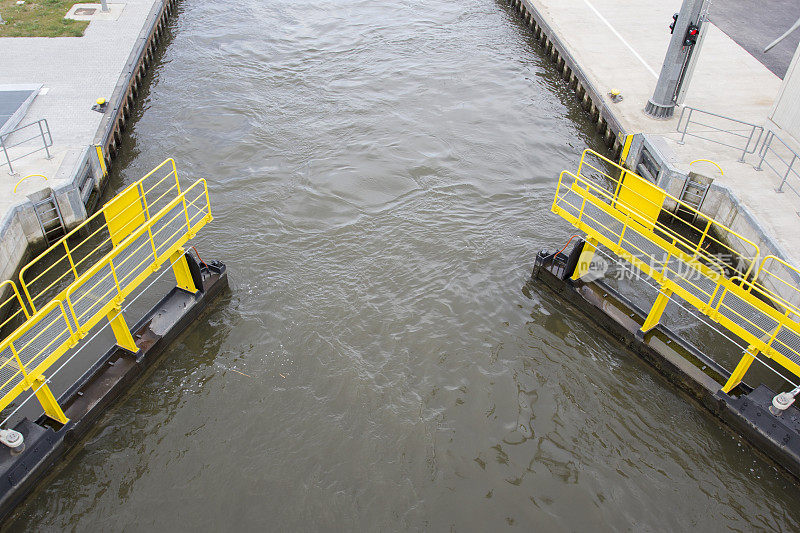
[692,33]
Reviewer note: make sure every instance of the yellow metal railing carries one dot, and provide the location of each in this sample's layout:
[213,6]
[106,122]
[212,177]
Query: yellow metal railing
[111,280]
[100,290]
[12,308]
[47,276]
[688,254]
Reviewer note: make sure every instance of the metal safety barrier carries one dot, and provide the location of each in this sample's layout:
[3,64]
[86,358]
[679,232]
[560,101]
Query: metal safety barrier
[111,280]
[781,159]
[12,308]
[701,262]
[751,133]
[99,291]
[48,275]
[41,131]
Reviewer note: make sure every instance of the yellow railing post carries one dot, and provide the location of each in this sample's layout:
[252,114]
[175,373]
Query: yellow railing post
[741,369]
[101,159]
[654,316]
[48,400]
[121,331]
[585,260]
[702,238]
[175,172]
[71,262]
[626,148]
[149,226]
[180,267]
[186,214]
[42,391]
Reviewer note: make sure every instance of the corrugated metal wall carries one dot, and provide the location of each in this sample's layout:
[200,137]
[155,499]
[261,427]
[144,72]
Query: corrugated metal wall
[786,111]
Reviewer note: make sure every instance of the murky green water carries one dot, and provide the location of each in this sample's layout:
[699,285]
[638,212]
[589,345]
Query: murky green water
[381,174]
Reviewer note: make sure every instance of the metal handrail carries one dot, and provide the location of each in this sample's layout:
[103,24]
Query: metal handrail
[767,148]
[44,337]
[65,260]
[747,149]
[595,167]
[123,269]
[44,135]
[614,209]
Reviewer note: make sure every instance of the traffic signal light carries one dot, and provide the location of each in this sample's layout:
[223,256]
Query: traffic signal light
[674,20]
[692,32]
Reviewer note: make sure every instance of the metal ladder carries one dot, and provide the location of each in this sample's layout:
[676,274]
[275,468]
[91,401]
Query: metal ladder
[694,191]
[50,220]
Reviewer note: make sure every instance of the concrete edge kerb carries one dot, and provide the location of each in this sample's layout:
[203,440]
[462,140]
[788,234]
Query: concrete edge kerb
[117,101]
[780,251]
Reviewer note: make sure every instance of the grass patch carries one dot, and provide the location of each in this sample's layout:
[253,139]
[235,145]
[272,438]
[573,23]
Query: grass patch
[40,18]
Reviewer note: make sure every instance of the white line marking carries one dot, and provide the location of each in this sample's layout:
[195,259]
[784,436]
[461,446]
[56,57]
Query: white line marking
[615,32]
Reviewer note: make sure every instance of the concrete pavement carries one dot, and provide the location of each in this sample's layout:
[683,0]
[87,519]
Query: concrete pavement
[74,73]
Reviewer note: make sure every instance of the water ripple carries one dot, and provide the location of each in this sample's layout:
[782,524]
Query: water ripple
[381,175]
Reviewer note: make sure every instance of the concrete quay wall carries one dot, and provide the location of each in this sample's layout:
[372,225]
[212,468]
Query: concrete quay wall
[723,205]
[82,174]
[591,99]
[109,133]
